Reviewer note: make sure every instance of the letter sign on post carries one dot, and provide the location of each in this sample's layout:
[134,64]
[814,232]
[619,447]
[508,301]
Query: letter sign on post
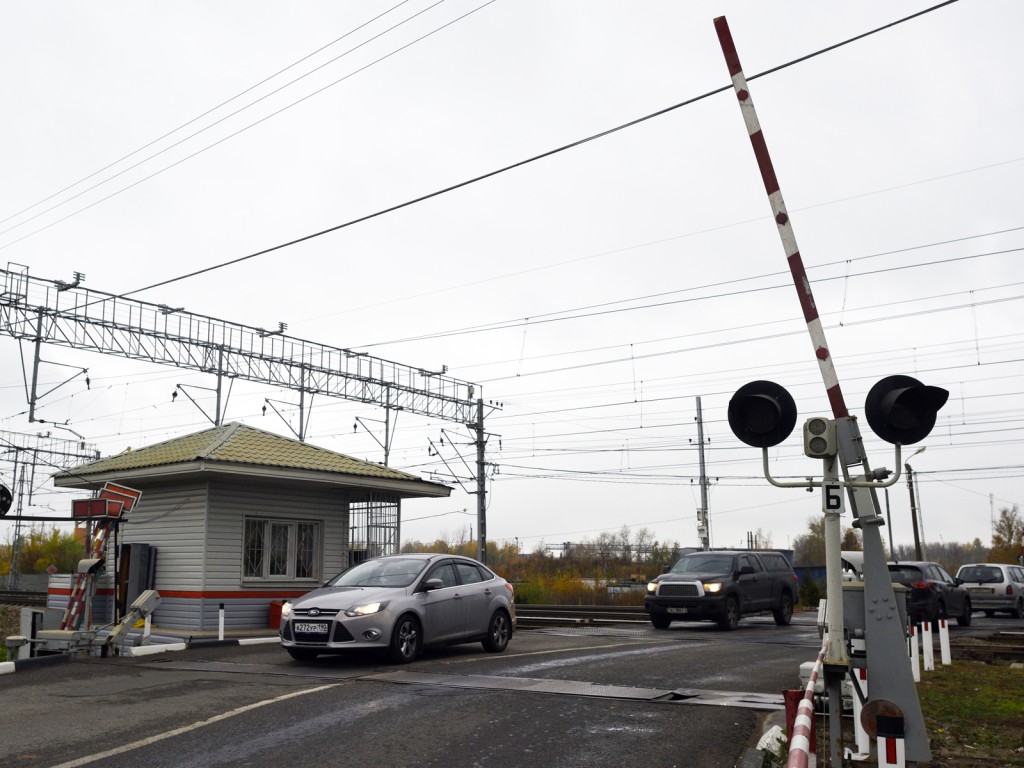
[832,497]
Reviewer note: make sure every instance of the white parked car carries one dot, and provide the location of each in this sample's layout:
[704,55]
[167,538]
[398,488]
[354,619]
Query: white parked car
[399,604]
[994,587]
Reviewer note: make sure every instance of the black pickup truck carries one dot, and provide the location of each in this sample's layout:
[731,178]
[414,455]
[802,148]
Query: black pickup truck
[723,585]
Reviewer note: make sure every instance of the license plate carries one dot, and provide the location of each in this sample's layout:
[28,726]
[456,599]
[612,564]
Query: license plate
[677,610]
[311,627]
[981,590]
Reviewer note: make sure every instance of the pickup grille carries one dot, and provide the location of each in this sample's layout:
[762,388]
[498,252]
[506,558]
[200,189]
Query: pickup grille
[677,590]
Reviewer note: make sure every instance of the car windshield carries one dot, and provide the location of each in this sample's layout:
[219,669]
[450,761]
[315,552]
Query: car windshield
[385,572]
[703,563]
[980,574]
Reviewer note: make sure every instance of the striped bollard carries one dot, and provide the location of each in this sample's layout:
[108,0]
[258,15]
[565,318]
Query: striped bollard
[928,650]
[947,658]
[862,737]
[891,746]
[915,659]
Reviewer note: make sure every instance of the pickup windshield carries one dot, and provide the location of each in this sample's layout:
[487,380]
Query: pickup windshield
[703,563]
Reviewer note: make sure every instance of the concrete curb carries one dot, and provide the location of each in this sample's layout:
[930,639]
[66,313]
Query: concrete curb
[199,642]
[18,665]
[134,651]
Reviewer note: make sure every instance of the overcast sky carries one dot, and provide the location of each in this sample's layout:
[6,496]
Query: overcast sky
[628,275]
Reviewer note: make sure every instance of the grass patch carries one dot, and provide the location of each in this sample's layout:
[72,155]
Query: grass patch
[974,710]
[10,624]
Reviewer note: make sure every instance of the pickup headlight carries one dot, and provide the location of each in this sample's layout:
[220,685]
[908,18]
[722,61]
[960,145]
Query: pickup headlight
[652,587]
[366,609]
[713,587]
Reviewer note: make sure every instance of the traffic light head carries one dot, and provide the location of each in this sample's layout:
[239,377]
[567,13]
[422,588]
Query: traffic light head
[900,409]
[762,414]
[6,499]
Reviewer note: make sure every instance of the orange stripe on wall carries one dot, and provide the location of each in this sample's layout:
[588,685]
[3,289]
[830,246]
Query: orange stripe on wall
[206,595]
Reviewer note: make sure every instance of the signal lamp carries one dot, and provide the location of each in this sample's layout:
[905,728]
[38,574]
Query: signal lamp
[900,409]
[762,414]
[819,437]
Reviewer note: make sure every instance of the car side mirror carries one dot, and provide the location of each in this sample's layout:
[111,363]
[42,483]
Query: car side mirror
[745,570]
[432,584]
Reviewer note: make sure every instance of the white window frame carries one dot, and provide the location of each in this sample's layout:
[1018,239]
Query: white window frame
[292,529]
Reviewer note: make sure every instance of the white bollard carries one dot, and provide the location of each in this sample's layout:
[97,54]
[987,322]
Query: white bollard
[915,663]
[891,746]
[928,650]
[944,642]
[220,630]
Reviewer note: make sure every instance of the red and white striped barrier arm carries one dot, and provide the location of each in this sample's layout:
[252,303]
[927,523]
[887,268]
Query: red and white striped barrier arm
[803,723]
[771,186]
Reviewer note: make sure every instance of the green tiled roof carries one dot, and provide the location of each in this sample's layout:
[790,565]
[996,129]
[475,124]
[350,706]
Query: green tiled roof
[237,443]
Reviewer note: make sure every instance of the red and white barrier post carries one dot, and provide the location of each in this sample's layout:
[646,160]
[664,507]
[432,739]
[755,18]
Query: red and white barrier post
[944,641]
[891,746]
[803,723]
[861,736]
[915,659]
[927,648]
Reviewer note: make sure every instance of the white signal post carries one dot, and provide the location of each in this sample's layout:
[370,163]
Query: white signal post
[833,505]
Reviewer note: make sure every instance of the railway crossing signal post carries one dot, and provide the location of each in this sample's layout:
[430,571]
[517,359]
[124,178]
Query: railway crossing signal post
[899,412]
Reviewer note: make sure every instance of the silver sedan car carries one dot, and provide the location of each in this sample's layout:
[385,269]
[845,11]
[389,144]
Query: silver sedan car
[400,604]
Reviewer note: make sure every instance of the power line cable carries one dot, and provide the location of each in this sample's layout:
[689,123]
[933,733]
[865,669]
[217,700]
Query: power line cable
[231,136]
[199,117]
[583,313]
[518,164]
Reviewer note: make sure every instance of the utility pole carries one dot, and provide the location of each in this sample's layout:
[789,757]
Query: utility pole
[703,523]
[913,511]
[481,484]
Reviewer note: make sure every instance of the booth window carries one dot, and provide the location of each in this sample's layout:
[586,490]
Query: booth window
[280,549]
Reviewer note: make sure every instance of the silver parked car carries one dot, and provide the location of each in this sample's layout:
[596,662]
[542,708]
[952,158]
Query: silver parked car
[994,587]
[400,604]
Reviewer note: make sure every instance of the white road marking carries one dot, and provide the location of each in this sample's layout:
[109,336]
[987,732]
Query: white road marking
[186,728]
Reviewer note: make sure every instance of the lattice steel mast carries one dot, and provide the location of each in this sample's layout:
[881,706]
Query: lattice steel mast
[66,314]
[25,453]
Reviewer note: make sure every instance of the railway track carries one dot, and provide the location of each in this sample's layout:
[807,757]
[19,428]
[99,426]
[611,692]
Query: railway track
[19,597]
[1002,646]
[538,616]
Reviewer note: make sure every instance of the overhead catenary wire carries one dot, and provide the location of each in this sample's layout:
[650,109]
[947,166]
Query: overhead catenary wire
[199,117]
[504,169]
[231,136]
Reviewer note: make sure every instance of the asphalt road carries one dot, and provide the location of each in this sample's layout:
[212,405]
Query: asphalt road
[625,696]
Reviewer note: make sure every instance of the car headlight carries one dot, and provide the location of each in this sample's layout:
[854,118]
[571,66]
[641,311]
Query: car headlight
[286,610]
[714,586]
[652,586]
[367,609]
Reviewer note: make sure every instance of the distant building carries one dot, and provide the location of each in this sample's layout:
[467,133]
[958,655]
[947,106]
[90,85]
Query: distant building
[237,516]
